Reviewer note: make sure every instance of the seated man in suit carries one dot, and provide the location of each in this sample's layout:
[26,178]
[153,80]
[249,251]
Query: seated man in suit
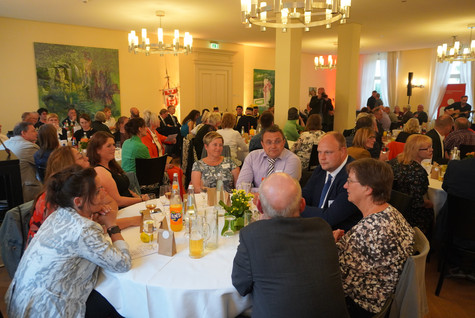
[23,145]
[272,158]
[288,264]
[324,192]
[443,126]
[246,121]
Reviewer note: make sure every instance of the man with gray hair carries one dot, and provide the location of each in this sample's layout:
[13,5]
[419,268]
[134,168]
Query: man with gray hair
[289,264]
[98,123]
[22,144]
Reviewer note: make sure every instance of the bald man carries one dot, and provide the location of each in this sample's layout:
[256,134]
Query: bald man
[134,112]
[289,264]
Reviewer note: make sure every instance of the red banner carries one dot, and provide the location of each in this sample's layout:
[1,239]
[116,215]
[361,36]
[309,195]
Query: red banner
[453,92]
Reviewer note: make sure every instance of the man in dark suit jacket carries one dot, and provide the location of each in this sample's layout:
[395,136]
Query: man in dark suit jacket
[247,121]
[288,264]
[443,126]
[331,205]
[171,120]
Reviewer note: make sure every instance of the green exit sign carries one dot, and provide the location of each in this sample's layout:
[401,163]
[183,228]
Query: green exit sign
[214,45]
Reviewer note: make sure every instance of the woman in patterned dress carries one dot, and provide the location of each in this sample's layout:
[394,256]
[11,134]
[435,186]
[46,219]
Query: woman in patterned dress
[59,269]
[206,171]
[411,178]
[373,252]
[303,146]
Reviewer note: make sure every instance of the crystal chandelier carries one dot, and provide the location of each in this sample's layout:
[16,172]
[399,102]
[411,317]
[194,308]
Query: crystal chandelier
[290,14]
[321,65]
[162,48]
[458,51]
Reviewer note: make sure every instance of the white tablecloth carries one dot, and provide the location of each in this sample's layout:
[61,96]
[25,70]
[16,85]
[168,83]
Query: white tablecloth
[436,194]
[178,286]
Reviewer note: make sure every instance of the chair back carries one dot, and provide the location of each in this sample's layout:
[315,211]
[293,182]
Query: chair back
[313,162]
[395,148]
[401,201]
[13,235]
[410,298]
[150,171]
[461,218]
[464,149]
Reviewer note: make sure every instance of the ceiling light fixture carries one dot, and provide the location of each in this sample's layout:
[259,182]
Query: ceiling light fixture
[162,48]
[285,14]
[458,51]
[321,65]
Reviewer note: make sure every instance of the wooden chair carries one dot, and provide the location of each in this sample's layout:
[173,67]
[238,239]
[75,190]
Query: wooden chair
[150,173]
[460,227]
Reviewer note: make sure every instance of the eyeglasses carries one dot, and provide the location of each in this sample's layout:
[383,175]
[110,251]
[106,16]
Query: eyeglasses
[351,181]
[275,142]
[424,149]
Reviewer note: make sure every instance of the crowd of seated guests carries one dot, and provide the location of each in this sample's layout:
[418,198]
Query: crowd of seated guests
[333,192]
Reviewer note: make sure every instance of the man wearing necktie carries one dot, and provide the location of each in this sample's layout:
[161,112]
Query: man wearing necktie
[324,192]
[272,158]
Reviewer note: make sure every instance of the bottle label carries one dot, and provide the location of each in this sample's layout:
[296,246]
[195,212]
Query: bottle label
[175,217]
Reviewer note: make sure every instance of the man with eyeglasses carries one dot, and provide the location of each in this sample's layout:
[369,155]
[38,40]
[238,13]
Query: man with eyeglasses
[272,158]
[324,192]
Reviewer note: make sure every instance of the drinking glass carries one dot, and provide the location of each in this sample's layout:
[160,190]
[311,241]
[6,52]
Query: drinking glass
[151,204]
[165,195]
[246,186]
[199,233]
[211,215]
[149,229]
[228,232]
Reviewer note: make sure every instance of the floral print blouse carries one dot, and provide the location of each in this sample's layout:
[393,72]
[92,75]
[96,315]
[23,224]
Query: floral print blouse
[209,174]
[303,146]
[372,255]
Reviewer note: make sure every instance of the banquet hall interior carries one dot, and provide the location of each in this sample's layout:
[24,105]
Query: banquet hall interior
[219,71]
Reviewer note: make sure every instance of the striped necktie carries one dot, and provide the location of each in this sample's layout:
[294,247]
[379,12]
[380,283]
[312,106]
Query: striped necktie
[271,168]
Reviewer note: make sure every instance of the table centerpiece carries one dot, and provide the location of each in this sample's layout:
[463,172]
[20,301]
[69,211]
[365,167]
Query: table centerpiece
[238,207]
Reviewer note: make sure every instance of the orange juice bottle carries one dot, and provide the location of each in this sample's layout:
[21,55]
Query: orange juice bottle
[176,217]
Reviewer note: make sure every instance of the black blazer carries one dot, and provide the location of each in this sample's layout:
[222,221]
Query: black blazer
[291,268]
[437,155]
[340,214]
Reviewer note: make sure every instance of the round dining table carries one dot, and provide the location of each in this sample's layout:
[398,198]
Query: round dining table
[436,195]
[174,286]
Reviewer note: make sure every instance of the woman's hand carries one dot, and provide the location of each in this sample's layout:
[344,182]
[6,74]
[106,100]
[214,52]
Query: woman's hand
[145,197]
[106,216]
[337,234]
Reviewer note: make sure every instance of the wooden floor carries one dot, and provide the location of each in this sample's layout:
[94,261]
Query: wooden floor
[457,298]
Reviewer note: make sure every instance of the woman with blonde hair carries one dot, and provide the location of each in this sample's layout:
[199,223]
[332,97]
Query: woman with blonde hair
[205,172]
[364,139]
[233,139]
[53,119]
[411,178]
[410,128]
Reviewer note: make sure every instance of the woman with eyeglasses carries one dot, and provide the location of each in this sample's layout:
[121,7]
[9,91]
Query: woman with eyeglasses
[59,270]
[205,172]
[411,178]
[373,252]
[364,139]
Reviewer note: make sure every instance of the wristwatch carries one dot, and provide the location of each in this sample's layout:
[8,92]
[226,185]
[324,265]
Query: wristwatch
[113,230]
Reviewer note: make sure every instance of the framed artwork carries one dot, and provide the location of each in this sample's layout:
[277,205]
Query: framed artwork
[264,86]
[85,78]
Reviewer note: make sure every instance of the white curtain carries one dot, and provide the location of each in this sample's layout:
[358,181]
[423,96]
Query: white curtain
[466,77]
[438,84]
[393,60]
[383,60]
[367,77]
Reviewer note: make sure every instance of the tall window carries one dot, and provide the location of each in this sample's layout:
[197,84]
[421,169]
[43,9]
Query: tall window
[454,77]
[377,76]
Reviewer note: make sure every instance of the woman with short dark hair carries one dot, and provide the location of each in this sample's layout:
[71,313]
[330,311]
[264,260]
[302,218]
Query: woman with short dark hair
[67,250]
[133,147]
[373,252]
[86,128]
[292,128]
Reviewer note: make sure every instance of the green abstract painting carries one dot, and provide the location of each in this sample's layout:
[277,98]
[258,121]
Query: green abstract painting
[85,78]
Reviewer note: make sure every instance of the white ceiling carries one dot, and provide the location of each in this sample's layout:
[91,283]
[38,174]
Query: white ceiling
[387,25]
